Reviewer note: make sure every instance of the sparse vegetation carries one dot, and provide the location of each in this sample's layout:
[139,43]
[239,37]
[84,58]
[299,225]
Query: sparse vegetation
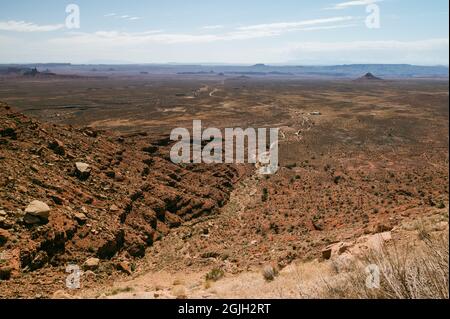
[215,274]
[265,195]
[269,273]
[441,205]
[119,290]
[291,165]
[405,273]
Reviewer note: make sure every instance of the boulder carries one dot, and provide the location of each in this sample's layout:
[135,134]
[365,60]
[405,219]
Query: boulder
[82,170]
[38,209]
[91,264]
[335,250]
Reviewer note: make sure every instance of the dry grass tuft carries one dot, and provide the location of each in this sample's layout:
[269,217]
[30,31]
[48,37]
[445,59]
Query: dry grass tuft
[419,272]
[269,273]
[215,274]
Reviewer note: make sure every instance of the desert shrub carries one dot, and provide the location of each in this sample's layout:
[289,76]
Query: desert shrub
[291,166]
[422,231]
[405,273]
[441,205]
[265,195]
[215,274]
[119,290]
[269,273]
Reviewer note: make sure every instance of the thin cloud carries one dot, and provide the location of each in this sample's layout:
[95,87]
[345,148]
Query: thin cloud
[292,26]
[157,36]
[212,27]
[22,26]
[240,33]
[331,27]
[124,16]
[355,3]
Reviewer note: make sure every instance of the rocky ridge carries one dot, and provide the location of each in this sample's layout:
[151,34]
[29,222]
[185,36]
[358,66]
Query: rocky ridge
[74,195]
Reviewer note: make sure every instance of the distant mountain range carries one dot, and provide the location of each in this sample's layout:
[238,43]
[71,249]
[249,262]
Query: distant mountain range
[384,71]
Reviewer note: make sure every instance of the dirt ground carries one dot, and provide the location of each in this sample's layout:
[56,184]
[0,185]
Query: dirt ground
[356,159]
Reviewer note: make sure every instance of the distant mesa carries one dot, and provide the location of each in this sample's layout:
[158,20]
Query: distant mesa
[35,73]
[259,65]
[370,77]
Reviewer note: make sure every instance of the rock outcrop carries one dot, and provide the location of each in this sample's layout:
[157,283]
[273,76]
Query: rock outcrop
[61,204]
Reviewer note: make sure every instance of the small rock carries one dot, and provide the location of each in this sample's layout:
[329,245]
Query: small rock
[317,225]
[80,218]
[124,266]
[4,236]
[110,174]
[57,147]
[114,208]
[326,253]
[31,220]
[91,264]
[2,213]
[22,189]
[441,226]
[119,177]
[9,132]
[5,272]
[39,261]
[82,170]
[38,209]
[57,200]
[6,224]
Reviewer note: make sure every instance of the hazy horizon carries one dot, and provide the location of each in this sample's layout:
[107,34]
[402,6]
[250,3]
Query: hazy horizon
[212,64]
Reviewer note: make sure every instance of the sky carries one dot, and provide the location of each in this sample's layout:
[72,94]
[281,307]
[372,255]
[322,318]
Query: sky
[319,32]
